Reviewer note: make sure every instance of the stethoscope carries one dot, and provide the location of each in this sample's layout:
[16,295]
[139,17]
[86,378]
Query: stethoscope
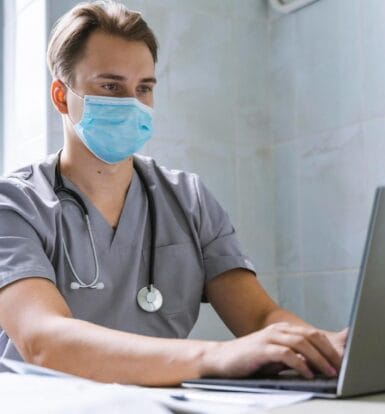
[149,298]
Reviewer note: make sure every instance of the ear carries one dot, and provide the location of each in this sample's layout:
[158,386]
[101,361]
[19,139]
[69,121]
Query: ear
[58,96]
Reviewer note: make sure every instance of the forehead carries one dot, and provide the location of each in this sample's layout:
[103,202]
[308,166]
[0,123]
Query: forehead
[114,54]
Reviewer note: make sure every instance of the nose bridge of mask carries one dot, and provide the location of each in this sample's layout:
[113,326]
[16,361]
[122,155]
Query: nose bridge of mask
[119,104]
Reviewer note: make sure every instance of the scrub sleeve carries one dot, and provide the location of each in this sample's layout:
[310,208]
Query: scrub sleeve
[22,253]
[221,249]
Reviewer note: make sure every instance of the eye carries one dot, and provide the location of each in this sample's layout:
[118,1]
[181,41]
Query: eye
[110,87]
[144,89]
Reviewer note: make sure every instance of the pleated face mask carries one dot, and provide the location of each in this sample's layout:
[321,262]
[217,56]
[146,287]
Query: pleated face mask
[114,128]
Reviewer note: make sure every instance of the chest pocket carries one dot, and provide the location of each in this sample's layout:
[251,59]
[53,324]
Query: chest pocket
[179,275]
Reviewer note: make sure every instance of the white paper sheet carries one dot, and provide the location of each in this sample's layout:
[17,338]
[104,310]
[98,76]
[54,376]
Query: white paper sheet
[45,390]
[32,394]
[213,402]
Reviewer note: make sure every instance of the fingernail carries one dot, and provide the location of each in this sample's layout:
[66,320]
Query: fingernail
[310,375]
[332,371]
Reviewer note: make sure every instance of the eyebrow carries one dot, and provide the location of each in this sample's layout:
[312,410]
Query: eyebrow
[122,78]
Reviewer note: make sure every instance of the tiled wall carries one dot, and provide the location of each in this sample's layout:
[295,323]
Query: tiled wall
[327,120]
[283,118]
[213,115]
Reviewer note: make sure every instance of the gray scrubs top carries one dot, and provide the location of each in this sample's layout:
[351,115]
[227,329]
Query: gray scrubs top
[195,242]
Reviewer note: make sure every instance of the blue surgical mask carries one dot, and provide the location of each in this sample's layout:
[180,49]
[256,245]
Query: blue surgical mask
[114,128]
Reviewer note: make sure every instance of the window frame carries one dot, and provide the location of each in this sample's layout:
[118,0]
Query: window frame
[2,129]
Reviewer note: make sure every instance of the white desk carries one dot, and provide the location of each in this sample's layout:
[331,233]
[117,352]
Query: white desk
[66,395]
[374,404]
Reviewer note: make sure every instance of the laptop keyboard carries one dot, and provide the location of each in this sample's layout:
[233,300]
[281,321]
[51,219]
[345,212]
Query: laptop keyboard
[319,384]
[290,379]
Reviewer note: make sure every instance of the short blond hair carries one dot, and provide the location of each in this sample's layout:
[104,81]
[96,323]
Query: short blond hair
[70,33]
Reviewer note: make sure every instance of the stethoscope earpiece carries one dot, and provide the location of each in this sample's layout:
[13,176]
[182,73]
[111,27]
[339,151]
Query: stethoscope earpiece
[75,285]
[99,286]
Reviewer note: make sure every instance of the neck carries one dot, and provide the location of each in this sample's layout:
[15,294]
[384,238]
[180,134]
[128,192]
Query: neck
[95,178]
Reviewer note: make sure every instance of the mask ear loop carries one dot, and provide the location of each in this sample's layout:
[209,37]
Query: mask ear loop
[76,94]
[69,87]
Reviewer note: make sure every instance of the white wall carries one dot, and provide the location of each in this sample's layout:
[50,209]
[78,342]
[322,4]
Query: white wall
[213,115]
[327,122]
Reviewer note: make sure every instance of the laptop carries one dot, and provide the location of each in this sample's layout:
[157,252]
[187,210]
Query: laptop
[363,364]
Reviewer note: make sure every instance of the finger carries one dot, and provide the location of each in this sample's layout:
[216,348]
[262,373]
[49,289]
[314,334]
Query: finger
[340,336]
[321,342]
[301,344]
[283,354]
[343,335]
[338,339]
[327,348]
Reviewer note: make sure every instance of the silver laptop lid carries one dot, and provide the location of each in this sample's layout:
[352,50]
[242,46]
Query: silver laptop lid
[363,365]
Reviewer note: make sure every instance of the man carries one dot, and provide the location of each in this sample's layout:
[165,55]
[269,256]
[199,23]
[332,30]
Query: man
[76,247]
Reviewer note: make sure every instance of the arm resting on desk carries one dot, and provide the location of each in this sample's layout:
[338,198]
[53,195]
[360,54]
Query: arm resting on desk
[39,322]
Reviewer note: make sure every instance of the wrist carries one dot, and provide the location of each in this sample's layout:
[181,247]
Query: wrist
[210,360]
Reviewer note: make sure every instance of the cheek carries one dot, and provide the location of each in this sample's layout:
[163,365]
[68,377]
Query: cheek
[147,100]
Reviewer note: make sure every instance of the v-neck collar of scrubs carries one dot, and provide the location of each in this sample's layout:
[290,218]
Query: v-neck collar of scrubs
[105,235]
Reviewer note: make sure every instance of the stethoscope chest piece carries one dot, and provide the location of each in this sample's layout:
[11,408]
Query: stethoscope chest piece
[149,299]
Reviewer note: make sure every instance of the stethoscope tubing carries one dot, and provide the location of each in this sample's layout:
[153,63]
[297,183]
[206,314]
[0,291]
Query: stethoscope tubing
[153,223]
[60,187]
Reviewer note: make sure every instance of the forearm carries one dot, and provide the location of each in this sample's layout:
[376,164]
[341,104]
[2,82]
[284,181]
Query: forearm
[84,349]
[244,305]
[282,315]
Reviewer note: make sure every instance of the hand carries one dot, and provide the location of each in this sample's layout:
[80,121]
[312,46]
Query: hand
[338,340]
[279,345]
